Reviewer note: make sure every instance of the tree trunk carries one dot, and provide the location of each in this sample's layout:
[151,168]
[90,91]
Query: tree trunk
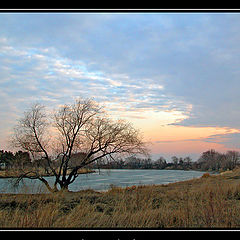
[52,190]
[64,187]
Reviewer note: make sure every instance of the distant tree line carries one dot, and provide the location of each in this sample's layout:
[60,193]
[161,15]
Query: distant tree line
[134,162]
[210,160]
[10,160]
[23,160]
[215,161]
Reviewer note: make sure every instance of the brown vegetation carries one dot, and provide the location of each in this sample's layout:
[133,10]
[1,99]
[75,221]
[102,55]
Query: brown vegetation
[211,201]
[13,173]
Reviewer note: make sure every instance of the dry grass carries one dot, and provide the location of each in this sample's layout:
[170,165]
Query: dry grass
[207,202]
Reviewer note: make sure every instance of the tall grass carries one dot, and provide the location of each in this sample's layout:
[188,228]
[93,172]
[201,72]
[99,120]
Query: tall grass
[207,202]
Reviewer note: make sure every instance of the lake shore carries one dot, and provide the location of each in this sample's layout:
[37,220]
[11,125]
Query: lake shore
[16,173]
[102,180]
[211,201]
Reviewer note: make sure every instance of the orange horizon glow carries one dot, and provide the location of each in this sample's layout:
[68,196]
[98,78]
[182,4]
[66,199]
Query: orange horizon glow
[166,138]
[179,140]
[187,147]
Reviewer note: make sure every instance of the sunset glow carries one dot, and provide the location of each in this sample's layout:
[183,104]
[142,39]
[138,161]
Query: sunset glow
[174,76]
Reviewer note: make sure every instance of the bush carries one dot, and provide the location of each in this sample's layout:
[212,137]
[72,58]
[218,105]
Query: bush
[206,175]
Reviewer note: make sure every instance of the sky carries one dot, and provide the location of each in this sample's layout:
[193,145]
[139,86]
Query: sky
[175,76]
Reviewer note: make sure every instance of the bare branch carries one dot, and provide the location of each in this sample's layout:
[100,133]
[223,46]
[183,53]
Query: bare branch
[82,127]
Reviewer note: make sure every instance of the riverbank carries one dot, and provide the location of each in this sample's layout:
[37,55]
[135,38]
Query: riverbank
[211,201]
[14,173]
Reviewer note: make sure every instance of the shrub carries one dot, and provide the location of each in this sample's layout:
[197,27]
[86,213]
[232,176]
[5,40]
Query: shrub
[206,175]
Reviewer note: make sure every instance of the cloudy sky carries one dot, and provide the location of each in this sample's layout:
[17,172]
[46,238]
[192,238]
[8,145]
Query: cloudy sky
[175,76]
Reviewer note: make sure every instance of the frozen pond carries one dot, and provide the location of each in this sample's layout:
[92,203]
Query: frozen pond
[105,179]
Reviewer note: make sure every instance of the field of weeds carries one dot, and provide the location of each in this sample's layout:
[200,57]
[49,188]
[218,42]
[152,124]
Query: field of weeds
[206,202]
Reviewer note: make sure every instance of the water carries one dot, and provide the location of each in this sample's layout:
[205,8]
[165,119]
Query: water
[104,180]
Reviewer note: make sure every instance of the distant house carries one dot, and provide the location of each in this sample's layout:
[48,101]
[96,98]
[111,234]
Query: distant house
[2,166]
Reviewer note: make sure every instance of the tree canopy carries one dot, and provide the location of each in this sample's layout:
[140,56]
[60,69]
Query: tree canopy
[81,127]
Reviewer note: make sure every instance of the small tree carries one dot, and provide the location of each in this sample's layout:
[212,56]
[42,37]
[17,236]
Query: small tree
[161,163]
[81,127]
[187,161]
[210,160]
[175,161]
[7,158]
[232,159]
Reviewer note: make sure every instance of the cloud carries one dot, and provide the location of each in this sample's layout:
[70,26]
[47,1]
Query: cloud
[133,63]
[231,140]
[47,74]
[228,140]
[42,74]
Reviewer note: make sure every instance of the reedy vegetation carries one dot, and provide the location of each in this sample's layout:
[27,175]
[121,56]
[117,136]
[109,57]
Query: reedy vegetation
[206,202]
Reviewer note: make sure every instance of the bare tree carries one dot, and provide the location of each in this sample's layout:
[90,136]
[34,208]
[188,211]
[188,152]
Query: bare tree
[81,127]
[232,159]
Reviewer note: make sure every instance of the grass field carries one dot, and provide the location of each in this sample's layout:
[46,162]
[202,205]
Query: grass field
[212,201]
